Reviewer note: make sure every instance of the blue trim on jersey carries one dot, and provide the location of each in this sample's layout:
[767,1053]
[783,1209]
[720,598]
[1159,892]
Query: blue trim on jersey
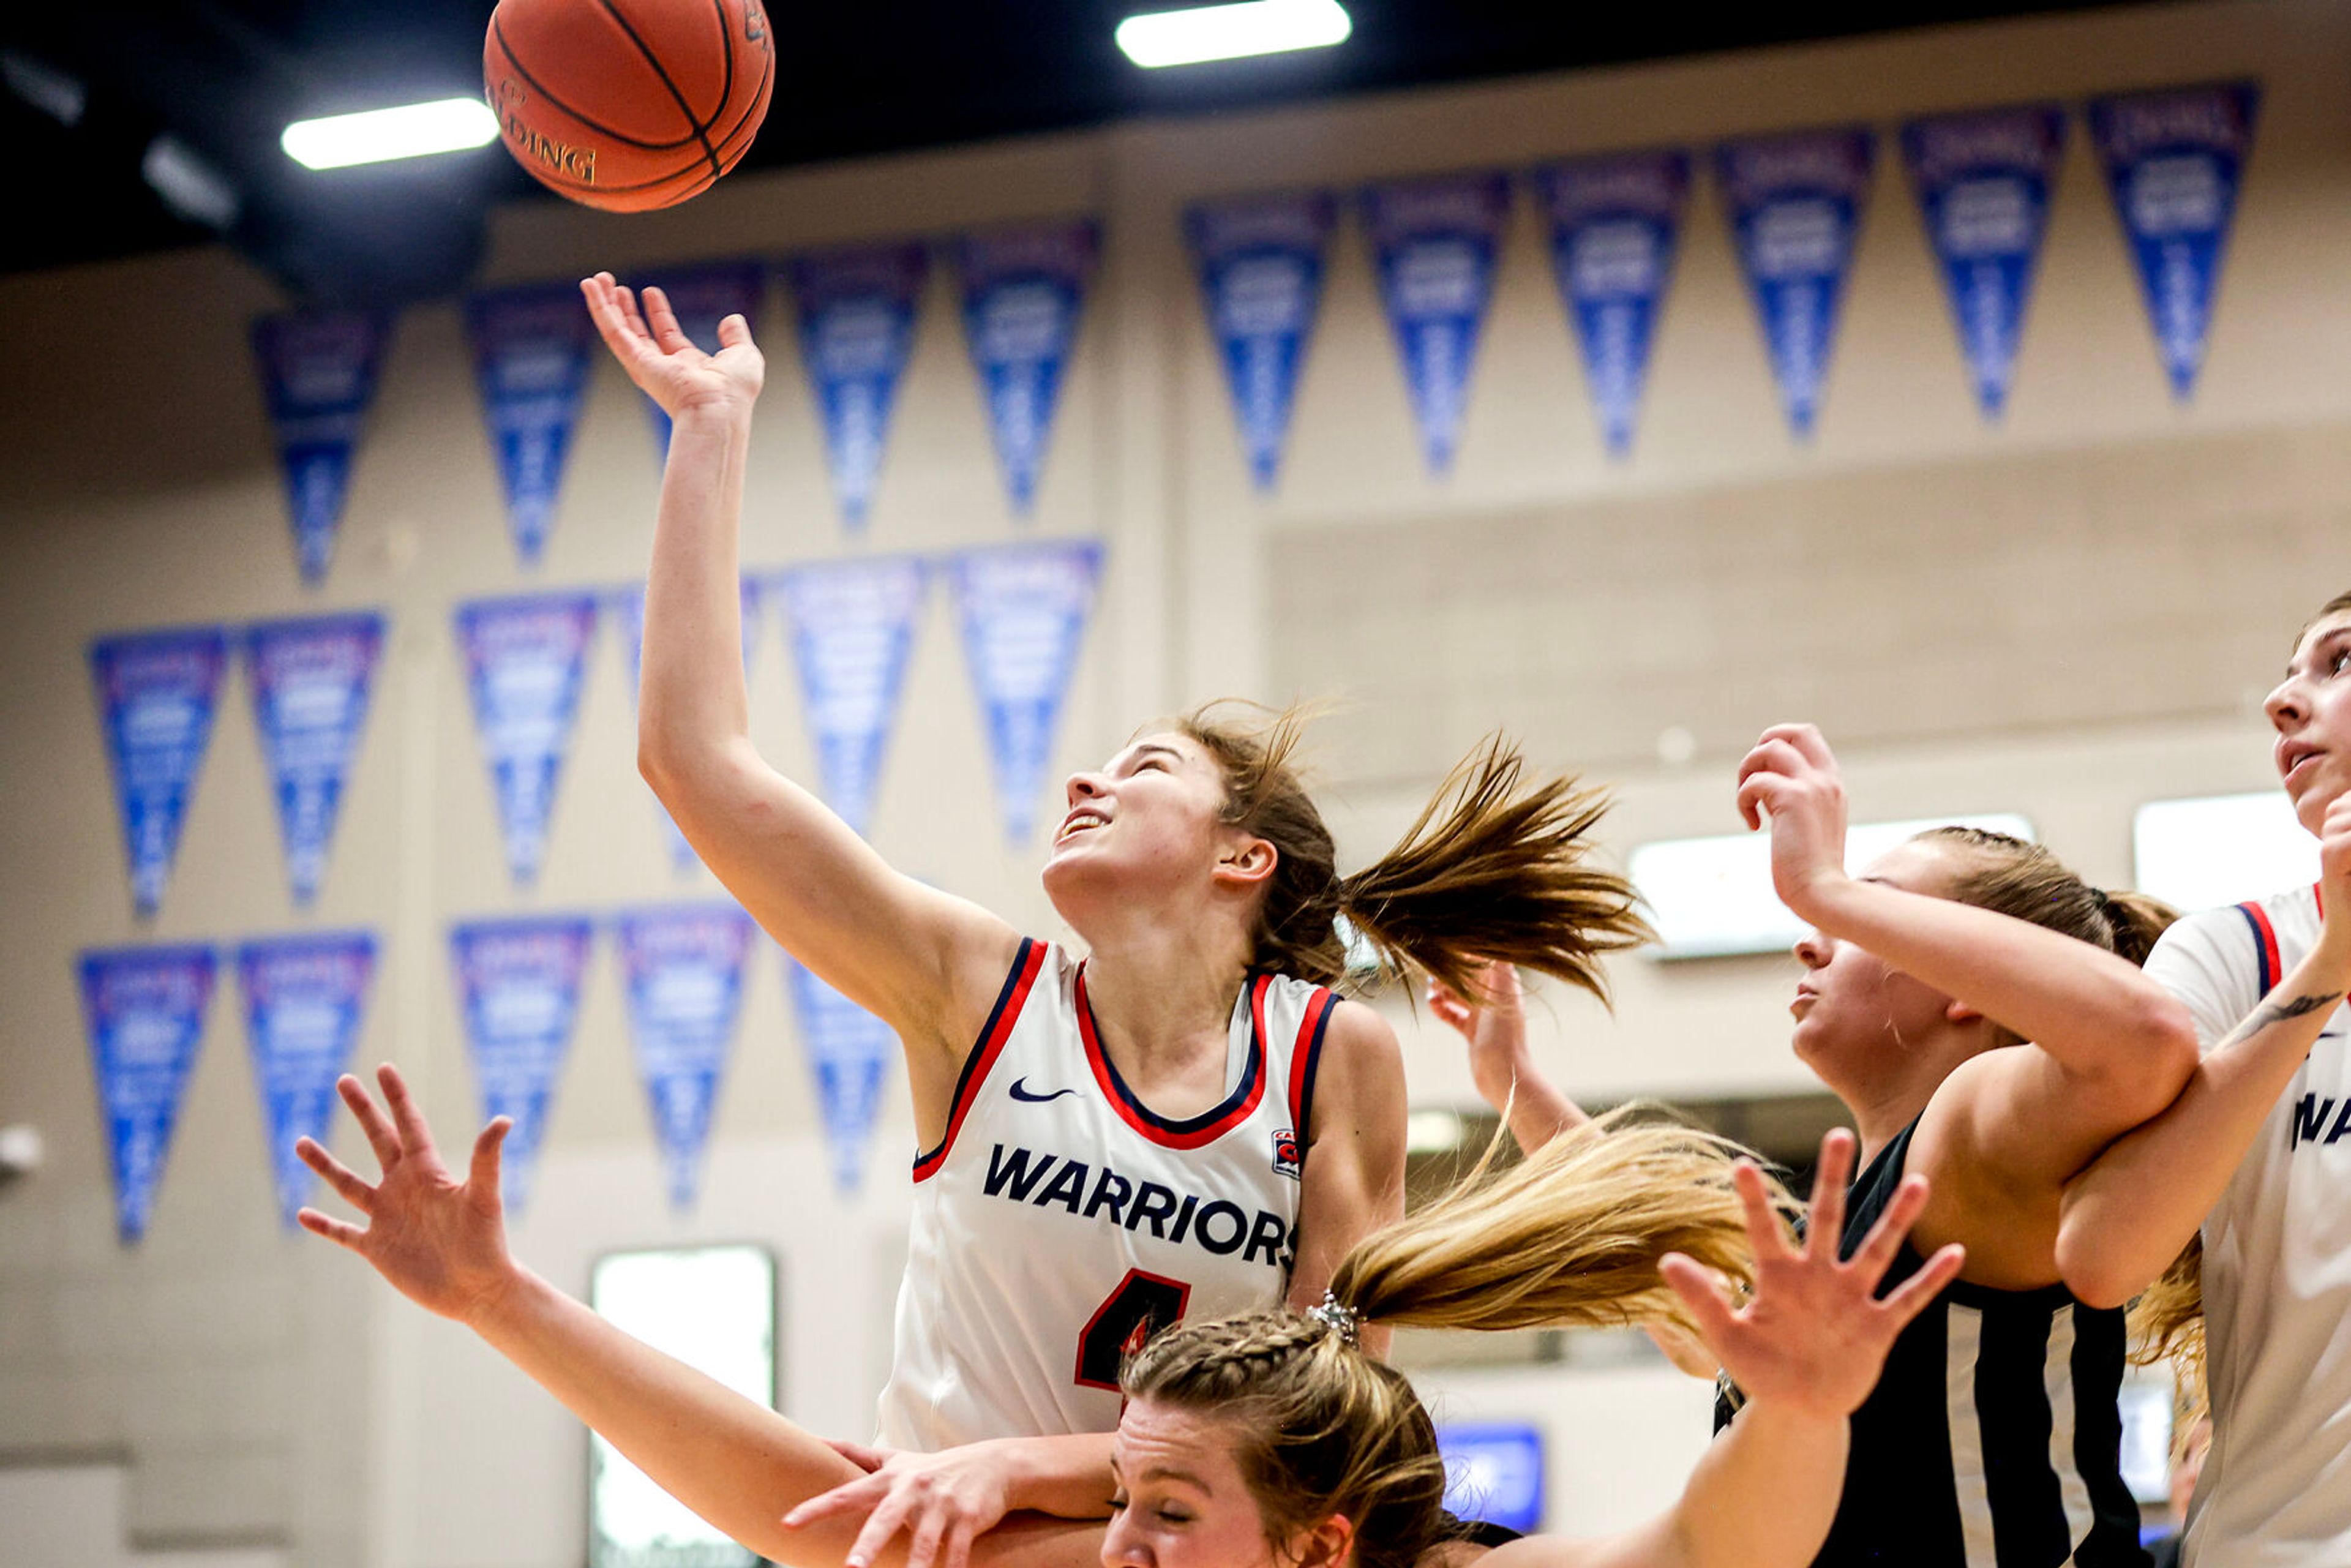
[1251,1086]
[1314,1065]
[978,1052]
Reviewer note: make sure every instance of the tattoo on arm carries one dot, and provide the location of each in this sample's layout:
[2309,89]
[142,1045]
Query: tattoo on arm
[2274,1011]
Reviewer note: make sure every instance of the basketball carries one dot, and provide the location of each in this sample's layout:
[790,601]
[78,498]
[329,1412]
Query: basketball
[629,105]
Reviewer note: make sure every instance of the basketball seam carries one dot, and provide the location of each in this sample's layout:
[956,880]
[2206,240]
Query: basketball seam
[727,83]
[701,131]
[627,141]
[759,94]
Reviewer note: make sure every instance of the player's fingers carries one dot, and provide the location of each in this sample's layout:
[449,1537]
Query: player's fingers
[1764,1228]
[414,1135]
[1699,1291]
[338,1176]
[378,1132]
[1910,1298]
[1825,1230]
[734,332]
[667,335]
[626,298]
[923,1548]
[1758,794]
[959,1539]
[1875,1253]
[1805,740]
[849,1497]
[483,1174]
[341,1232]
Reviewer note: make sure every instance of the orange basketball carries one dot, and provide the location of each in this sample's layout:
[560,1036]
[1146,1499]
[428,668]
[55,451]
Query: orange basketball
[629,105]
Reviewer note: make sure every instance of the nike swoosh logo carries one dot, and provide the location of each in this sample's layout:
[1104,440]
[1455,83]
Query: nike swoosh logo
[1020,1092]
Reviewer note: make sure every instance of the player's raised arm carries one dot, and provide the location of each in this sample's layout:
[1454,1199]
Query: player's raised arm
[1494,1023]
[925,963]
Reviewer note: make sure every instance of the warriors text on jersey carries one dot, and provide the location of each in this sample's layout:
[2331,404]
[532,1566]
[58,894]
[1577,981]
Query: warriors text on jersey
[2276,1488]
[1993,1439]
[1060,1219]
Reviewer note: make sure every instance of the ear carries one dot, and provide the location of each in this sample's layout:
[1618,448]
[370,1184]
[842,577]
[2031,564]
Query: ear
[1325,1545]
[1247,861]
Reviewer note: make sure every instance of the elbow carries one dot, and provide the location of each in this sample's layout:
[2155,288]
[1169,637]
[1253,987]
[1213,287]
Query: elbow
[2170,1045]
[2092,1277]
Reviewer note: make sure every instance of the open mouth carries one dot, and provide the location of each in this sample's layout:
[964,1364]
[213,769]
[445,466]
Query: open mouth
[1080,821]
[2293,759]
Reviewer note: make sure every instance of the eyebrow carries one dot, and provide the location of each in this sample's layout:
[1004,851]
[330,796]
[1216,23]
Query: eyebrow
[1162,1473]
[1145,748]
[2321,642]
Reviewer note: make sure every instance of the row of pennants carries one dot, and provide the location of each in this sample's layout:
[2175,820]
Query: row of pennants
[2173,160]
[518,984]
[1022,609]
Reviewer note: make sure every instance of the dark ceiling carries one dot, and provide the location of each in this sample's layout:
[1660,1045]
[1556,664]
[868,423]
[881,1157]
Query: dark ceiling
[222,79]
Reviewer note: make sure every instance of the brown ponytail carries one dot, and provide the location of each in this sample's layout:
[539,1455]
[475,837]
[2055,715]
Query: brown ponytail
[1493,870]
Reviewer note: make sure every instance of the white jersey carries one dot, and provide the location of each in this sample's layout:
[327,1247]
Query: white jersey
[1061,1220]
[2276,1488]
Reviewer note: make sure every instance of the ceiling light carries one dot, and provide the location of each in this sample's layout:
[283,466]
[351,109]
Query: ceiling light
[195,190]
[60,97]
[1230,32]
[378,135]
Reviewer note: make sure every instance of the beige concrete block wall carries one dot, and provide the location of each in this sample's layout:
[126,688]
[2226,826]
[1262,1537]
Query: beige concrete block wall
[2064,615]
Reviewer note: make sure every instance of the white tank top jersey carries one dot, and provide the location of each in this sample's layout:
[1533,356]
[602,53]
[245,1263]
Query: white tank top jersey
[2276,1488]
[1059,1221]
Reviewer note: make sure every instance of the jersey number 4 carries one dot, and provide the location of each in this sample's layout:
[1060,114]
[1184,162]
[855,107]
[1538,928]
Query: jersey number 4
[1141,1306]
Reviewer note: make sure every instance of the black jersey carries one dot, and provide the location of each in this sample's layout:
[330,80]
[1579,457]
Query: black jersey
[1994,1437]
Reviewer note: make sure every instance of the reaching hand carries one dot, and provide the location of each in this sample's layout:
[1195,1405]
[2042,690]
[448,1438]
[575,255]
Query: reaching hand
[2334,860]
[1791,775]
[1494,1023]
[663,360]
[946,1499]
[441,1242]
[1814,1337]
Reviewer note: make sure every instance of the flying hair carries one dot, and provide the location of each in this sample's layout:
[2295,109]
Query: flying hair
[1497,868]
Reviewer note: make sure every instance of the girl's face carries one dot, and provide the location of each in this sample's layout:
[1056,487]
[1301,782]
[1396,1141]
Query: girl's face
[1146,825]
[2311,711]
[1856,1012]
[1181,1502]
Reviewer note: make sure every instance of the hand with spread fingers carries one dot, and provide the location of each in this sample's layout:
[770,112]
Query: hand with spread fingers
[439,1241]
[1814,1335]
[940,1501]
[644,334]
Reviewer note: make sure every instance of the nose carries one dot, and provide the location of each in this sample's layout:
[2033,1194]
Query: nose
[1812,950]
[1082,787]
[1121,1545]
[2285,705]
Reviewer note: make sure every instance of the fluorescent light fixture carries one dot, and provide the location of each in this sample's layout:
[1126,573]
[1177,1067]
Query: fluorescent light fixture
[379,135]
[1435,1132]
[1710,898]
[1230,32]
[2221,849]
[53,92]
[191,187]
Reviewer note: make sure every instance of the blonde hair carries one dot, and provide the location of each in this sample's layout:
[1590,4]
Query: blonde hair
[1496,868]
[1572,1236]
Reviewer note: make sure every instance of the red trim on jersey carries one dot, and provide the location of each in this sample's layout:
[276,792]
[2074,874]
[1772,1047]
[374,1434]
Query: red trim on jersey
[1198,1131]
[2318,891]
[2266,934]
[984,1052]
[1305,1054]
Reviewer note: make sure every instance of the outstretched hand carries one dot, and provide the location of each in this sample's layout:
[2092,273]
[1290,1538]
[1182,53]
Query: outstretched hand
[663,360]
[1814,1335]
[943,1501]
[1792,776]
[1494,1022]
[439,1241]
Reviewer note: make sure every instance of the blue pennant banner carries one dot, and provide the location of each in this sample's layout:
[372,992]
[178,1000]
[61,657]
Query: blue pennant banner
[1614,222]
[849,1051]
[1023,610]
[319,374]
[629,602]
[1795,204]
[310,681]
[524,660]
[1983,181]
[1261,262]
[853,627]
[532,349]
[684,969]
[304,998]
[2174,161]
[1022,289]
[156,692]
[518,983]
[702,297]
[1433,244]
[144,1008]
[857,310]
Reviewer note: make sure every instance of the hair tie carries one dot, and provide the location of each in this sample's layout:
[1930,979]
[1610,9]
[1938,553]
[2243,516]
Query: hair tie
[1337,1316]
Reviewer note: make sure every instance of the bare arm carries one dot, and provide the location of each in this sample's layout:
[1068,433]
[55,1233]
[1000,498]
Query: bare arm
[1807,1349]
[1501,1065]
[1353,1170]
[2123,1219]
[441,1243]
[2106,1047]
[927,964]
